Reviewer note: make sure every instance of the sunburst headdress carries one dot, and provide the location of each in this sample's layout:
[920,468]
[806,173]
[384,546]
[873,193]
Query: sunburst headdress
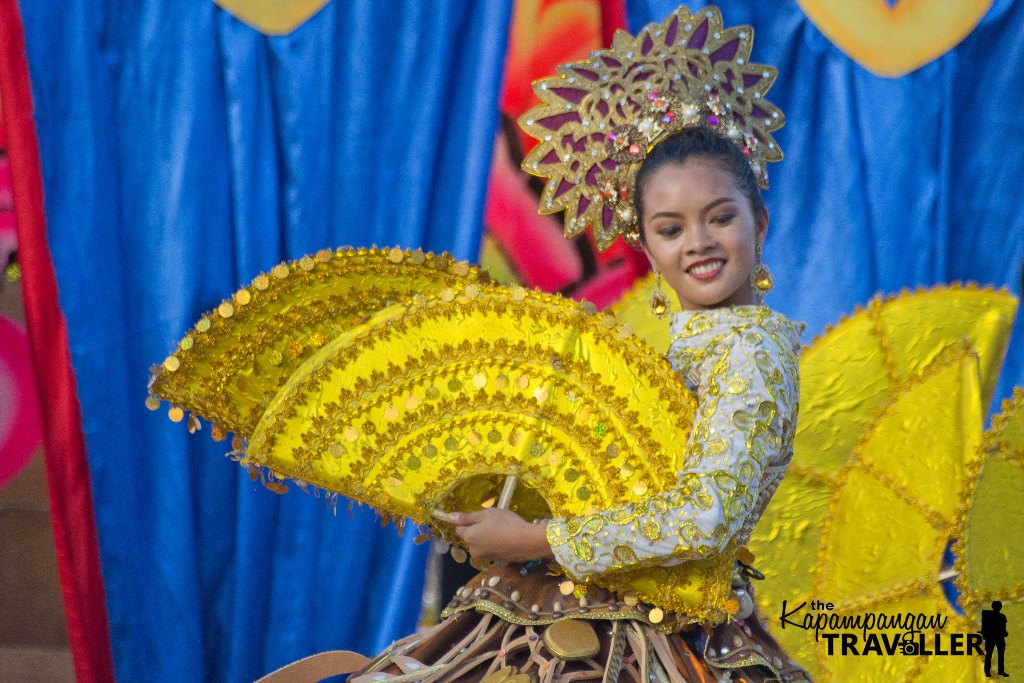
[602,116]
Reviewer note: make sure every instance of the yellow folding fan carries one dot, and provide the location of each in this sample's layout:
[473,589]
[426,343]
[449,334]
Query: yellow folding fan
[431,403]
[237,356]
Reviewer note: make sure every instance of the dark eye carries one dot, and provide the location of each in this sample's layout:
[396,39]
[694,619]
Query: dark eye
[668,230]
[723,218]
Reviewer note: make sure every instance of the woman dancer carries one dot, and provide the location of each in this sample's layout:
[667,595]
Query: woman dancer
[662,139]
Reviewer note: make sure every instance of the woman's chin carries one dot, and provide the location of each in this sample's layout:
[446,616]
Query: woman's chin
[708,299]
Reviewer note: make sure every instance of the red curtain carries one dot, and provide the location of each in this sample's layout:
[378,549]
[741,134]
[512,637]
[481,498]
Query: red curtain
[67,473]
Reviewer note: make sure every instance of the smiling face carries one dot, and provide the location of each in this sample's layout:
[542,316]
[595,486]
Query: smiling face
[701,233]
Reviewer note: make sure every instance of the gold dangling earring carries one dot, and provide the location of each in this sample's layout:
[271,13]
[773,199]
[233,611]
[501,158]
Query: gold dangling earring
[659,301]
[761,278]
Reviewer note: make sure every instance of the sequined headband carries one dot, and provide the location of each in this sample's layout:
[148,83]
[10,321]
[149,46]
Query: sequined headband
[602,116]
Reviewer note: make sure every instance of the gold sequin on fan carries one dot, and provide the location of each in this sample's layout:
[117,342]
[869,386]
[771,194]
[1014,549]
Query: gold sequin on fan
[172,363]
[176,414]
[226,310]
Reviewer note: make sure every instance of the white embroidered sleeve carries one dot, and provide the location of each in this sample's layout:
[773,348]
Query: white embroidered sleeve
[744,401]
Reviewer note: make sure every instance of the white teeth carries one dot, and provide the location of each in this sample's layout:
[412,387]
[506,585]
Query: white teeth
[706,268]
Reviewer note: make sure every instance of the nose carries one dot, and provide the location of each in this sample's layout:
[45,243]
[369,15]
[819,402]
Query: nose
[700,239]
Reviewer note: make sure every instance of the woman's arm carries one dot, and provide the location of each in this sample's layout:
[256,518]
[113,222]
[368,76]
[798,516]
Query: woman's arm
[746,403]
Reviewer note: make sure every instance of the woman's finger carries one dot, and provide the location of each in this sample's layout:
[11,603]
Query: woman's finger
[464,518]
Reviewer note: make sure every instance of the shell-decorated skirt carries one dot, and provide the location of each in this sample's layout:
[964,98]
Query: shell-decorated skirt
[511,625]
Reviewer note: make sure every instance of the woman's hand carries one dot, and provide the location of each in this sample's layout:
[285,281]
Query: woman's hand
[501,535]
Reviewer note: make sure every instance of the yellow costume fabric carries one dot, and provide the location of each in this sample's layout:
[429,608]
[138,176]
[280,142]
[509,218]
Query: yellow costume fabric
[742,364]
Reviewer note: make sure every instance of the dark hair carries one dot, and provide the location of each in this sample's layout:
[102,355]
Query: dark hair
[702,142]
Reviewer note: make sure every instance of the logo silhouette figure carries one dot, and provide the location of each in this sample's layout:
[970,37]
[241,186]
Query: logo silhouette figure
[993,630]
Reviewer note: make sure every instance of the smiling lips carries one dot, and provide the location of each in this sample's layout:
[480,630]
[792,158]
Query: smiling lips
[707,269]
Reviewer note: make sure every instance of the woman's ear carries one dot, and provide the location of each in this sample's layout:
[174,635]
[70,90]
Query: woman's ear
[647,253]
[760,227]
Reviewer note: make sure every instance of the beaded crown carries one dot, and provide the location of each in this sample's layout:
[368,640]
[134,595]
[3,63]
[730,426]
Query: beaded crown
[601,117]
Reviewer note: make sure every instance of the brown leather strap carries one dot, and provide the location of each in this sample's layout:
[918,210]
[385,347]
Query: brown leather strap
[318,667]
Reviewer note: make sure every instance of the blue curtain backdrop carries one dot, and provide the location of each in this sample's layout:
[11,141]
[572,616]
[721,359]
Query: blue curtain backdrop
[184,153]
[888,183]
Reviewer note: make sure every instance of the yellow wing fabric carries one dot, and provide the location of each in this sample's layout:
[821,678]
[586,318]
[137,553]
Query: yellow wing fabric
[892,406]
[236,358]
[990,529]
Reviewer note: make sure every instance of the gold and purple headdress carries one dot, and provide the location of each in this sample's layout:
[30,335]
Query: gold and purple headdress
[602,116]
